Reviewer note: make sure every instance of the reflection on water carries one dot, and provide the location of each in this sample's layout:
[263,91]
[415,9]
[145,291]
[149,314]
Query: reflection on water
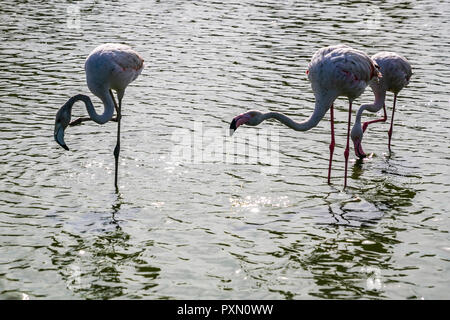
[188,228]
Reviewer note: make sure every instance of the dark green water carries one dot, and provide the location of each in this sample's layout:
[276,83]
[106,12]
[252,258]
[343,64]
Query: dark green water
[203,227]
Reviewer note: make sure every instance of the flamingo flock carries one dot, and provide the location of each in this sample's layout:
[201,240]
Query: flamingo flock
[334,71]
[343,71]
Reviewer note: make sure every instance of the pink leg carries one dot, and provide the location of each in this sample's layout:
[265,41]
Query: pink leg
[332,142]
[392,123]
[347,149]
[365,124]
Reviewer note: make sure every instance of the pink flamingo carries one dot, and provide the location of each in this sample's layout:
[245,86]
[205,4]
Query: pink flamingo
[396,72]
[333,71]
[108,67]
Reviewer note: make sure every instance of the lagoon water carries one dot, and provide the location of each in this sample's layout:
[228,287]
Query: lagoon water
[199,214]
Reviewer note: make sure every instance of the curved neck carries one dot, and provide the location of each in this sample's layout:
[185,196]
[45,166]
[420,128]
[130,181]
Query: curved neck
[323,103]
[376,105]
[108,105]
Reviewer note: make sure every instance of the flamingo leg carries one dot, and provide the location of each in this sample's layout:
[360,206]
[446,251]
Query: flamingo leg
[79,121]
[117,148]
[332,142]
[392,123]
[347,149]
[83,119]
[365,124]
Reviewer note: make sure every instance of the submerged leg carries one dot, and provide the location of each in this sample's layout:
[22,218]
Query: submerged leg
[117,148]
[332,142]
[392,123]
[347,149]
[365,124]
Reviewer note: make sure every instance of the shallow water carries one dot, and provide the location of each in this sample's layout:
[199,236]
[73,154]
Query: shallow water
[200,214]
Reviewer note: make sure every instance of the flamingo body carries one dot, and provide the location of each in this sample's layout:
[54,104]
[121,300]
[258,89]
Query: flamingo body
[112,66]
[397,72]
[395,69]
[108,67]
[333,71]
[342,70]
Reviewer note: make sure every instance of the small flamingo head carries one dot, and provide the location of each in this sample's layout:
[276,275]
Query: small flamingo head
[357,136]
[251,118]
[62,120]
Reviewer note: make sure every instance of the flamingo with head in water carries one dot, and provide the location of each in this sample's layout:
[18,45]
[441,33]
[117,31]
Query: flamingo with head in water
[333,71]
[396,72]
[108,67]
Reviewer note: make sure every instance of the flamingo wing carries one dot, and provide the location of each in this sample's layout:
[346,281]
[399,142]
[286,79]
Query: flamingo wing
[129,61]
[344,69]
[356,64]
[113,65]
[127,58]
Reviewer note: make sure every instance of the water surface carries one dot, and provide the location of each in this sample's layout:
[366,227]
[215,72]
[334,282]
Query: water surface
[192,228]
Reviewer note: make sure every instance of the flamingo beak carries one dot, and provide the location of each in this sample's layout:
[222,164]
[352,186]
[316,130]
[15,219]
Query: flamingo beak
[358,149]
[233,127]
[59,137]
[238,121]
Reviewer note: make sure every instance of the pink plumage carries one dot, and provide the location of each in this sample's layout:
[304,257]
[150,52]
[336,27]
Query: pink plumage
[112,65]
[343,70]
[397,72]
[395,69]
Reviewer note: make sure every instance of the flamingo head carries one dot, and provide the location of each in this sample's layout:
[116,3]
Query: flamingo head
[357,136]
[62,120]
[251,118]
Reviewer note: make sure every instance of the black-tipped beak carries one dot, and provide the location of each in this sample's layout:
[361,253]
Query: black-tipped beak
[59,138]
[361,156]
[232,127]
[359,151]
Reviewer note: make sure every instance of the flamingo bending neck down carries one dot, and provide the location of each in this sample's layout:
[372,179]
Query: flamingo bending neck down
[108,67]
[396,72]
[333,71]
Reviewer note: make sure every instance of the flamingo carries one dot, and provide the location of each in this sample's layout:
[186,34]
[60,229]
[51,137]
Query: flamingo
[108,67]
[396,72]
[333,71]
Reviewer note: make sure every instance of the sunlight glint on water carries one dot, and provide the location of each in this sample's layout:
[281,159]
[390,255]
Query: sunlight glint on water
[184,228]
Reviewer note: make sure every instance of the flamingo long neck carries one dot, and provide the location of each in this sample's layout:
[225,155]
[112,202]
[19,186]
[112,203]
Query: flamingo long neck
[108,105]
[323,103]
[380,97]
